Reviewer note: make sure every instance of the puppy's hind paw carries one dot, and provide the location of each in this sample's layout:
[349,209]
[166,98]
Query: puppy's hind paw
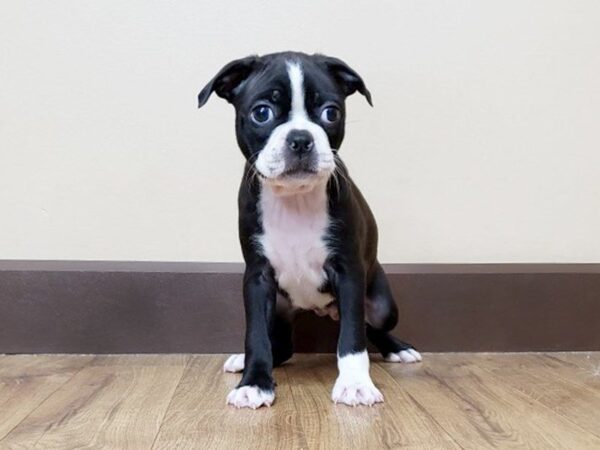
[235,363]
[408,356]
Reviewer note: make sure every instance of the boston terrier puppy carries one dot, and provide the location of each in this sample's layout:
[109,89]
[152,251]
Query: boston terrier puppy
[305,230]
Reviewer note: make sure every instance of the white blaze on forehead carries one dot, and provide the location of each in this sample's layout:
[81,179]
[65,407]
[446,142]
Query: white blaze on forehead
[298,109]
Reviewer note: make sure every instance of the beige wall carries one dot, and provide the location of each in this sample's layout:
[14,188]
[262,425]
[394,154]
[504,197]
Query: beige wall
[483,145]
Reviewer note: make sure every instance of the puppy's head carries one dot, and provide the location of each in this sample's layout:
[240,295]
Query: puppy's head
[289,114]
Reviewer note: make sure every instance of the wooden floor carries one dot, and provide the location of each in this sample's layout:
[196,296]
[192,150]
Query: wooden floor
[178,401]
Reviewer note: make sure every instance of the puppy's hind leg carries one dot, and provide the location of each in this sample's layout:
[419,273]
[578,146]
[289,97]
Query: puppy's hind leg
[382,317]
[282,345]
[281,339]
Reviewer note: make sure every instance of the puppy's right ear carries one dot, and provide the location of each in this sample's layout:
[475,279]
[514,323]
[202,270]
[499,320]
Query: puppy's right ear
[229,78]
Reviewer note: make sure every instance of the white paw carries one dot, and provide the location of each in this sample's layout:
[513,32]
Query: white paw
[405,356]
[235,363]
[355,393]
[250,397]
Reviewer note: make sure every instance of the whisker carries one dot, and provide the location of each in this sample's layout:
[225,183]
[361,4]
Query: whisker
[252,173]
[340,168]
[336,181]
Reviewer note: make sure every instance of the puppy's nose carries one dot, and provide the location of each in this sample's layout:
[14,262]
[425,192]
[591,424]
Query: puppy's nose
[300,141]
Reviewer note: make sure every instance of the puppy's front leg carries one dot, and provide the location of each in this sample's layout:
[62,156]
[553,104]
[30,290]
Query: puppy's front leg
[257,387]
[353,385]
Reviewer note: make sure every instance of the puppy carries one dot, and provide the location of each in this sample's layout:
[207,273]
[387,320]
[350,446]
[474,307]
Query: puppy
[305,230]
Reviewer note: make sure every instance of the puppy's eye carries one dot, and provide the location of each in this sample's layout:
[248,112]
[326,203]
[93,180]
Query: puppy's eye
[331,115]
[262,114]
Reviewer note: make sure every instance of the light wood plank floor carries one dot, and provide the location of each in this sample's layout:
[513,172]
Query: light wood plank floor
[476,401]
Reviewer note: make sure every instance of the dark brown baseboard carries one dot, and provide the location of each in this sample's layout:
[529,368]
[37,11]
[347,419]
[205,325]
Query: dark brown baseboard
[160,307]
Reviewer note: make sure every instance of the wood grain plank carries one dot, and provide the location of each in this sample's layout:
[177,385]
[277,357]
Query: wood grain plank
[476,407]
[550,382]
[105,405]
[326,426]
[174,401]
[27,380]
[582,367]
[199,418]
[398,422]
[467,426]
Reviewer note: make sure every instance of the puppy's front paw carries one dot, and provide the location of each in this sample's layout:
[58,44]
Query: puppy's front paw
[355,393]
[250,397]
[408,356]
[235,363]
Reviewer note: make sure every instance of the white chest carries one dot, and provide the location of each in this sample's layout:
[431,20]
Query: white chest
[294,228]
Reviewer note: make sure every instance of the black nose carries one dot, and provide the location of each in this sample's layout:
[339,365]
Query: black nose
[300,141]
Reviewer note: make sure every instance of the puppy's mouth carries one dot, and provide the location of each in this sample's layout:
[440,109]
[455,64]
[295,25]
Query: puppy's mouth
[298,173]
[290,175]
[295,181]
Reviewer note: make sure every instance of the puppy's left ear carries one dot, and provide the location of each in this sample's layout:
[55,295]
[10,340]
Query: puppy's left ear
[347,78]
[229,78]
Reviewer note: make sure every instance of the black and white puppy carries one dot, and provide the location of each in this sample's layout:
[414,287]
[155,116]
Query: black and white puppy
[305,229]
